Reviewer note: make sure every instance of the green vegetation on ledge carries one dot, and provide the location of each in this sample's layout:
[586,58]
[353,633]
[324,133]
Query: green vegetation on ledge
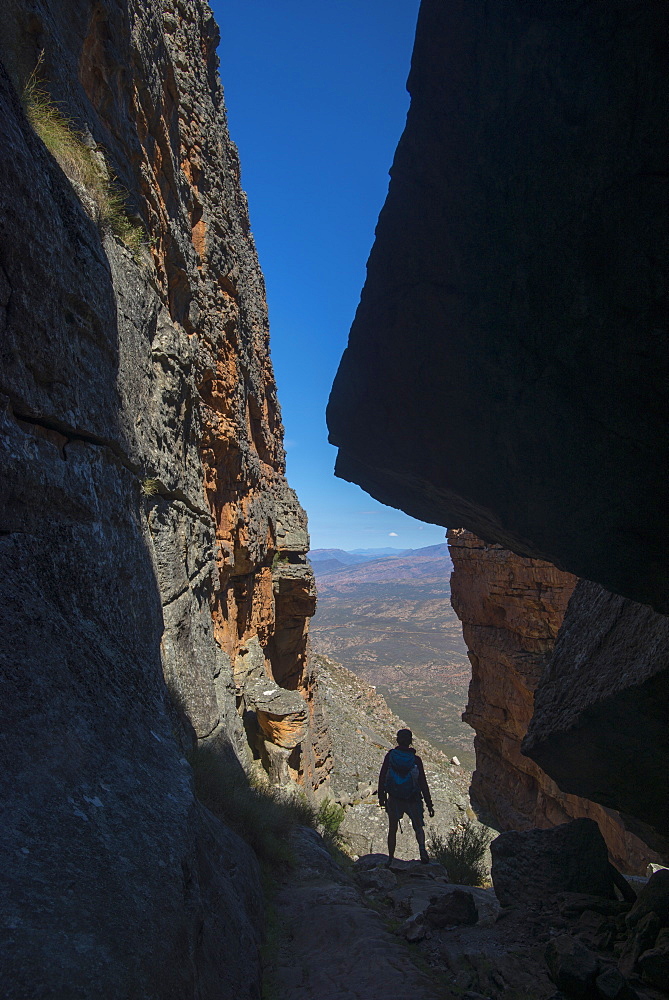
[82,166]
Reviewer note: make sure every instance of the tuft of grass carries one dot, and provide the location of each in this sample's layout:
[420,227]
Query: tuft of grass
[330,816]
[114,217]
[149,487]
[262,815]
[462,853]
[81,165]
[60,136]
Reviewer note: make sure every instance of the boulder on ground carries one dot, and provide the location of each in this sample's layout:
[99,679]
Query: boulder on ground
[282,714]
[641,938]
[381,879]
[451,909]
[653,898]
[612,985]
[415,928]
[654,963]
[534,866]
[571,966]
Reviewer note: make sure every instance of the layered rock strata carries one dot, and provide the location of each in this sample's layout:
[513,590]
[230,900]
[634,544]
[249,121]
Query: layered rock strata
[512,609]
[506,369]
[150,544]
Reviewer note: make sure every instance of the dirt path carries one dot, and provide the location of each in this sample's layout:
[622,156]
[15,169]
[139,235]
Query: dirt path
[327,942]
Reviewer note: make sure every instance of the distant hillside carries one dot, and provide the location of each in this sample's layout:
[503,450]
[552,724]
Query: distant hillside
[431,563]
[332,560]
[390,621]
[337,555]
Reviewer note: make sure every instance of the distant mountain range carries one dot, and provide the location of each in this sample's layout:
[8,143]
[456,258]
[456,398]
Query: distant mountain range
[335,568]
[354,556]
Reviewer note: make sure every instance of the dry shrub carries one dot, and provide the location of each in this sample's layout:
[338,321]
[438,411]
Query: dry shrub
[462,853]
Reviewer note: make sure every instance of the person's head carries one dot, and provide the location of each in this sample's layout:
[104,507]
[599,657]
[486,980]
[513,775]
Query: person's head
[404,737]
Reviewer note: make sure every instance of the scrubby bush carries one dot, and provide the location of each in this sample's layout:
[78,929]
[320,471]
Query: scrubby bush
[81,164]
[462,852]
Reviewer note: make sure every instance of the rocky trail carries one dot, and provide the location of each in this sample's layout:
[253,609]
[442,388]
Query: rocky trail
[328,941]
[547,931]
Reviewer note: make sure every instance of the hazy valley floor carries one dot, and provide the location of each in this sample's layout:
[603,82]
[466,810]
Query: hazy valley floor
[363,729]
[392,624]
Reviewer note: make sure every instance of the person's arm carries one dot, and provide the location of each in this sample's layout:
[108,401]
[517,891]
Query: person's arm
[423,785]
[382,781]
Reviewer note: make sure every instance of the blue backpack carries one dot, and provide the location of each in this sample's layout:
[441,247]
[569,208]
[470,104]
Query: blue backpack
[402,774]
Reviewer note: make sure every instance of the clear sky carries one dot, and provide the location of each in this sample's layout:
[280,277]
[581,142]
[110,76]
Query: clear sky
[316,98]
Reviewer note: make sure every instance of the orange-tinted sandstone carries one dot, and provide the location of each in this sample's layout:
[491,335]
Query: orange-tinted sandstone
[511,610]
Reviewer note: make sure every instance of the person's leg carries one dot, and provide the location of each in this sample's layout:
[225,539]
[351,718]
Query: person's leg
[419,830]
[420,837]
[392,837]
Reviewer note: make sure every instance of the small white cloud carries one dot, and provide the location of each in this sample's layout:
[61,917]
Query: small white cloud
[392,534]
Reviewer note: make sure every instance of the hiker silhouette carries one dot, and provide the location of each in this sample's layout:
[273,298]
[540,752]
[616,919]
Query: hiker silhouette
[402,788]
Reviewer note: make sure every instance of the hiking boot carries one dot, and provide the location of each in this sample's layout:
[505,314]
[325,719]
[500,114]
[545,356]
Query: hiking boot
[389,863]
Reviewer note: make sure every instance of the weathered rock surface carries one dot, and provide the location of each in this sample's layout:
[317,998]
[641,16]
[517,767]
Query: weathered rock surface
[532,867]
[506,368]
[331,944]
[511,609]
[654,963]
[572,967]
[612,985]
[600,726]
[123,614]
[572,939]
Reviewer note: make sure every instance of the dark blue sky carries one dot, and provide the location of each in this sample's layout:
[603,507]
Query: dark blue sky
[316,98]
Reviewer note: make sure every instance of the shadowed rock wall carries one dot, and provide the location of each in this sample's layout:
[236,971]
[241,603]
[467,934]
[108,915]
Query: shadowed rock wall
[128,618]
[601,719]
[512,609]
[506,369]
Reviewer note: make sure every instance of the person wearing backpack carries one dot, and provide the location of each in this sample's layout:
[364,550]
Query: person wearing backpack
[402,788]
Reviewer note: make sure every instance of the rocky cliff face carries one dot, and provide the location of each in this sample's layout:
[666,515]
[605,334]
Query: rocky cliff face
[515,293]
[600,711]
[502,372]
[511,610]
[155,585]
